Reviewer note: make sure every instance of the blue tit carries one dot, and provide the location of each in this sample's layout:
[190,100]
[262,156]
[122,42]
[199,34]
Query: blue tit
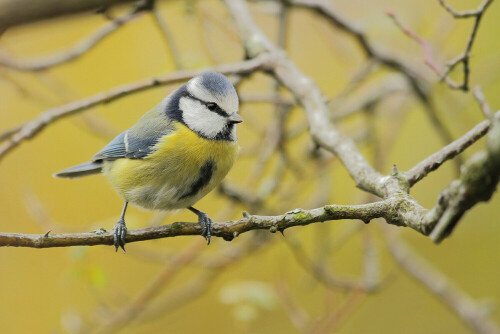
[175,154]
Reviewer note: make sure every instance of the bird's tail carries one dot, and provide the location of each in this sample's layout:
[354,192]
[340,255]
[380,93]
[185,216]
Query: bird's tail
[87,168]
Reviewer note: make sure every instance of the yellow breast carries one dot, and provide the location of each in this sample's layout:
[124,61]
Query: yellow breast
[183,168]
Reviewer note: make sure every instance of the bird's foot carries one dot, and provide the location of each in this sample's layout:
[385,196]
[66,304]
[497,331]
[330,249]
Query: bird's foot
[206,226]
[120,231]
[205,222]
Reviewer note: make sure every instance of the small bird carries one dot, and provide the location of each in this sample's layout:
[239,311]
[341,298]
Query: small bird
[175,154]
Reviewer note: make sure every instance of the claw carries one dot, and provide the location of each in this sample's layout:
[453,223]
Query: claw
[120,231]
[206,226]
[205,222]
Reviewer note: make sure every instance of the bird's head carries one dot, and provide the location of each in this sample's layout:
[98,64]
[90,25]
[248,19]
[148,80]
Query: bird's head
[208,105]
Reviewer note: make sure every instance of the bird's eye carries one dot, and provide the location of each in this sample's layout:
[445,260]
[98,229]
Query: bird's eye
[212,106]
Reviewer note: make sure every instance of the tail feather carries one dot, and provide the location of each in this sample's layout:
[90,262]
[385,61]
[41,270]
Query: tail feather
[87,168]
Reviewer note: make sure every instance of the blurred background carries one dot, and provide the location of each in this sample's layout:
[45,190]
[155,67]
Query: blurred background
[339,276]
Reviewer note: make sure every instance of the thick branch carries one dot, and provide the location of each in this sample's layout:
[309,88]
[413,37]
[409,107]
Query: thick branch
[14,12]
[310,97]
[477,183]
[227,230]
[337,19]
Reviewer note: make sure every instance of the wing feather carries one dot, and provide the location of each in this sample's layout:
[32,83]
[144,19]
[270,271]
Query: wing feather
[139,141]
[114,150]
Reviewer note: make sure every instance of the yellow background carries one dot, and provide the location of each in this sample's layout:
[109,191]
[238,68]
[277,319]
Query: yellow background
[59,290]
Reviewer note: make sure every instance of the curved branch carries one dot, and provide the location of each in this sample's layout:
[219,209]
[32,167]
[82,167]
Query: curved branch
[450,151]
[466,13]
[227,230]
[336,18]
[477,183]
[463,57]
[38,64]
[468,310]
[14,12]
[30,129]
[310,97]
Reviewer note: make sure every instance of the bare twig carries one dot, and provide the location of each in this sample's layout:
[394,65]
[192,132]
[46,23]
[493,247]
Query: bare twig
[14,12]
[167,36]
[382,91]
[466,13]
[38,64]
[199,284]
[9,133]
[140,302]
[433,162]
[331,322]
[320,273]
[227,230]
[357,79]
[297,315]
[272,142]
[337,19]
[485,107]
[266,98]
[460,303]
[267,57]
[477,183]
[29,130]
[429,60]
[340,21]
[463,58]
[311,98]
[252,202]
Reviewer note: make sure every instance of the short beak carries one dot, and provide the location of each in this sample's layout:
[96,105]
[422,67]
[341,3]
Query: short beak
[235,118]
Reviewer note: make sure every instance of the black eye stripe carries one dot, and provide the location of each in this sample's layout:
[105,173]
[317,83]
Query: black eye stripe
[218,110]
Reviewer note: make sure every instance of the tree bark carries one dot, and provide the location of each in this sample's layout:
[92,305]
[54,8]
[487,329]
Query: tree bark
[15,12]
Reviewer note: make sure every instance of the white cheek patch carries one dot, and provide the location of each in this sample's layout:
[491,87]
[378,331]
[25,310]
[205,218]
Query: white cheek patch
[198,118]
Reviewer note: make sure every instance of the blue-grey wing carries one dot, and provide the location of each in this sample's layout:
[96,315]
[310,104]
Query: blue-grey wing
[139,141]
[125,145]
[116,149]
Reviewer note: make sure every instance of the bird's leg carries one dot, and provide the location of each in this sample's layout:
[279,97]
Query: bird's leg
[205,222]
[120,230]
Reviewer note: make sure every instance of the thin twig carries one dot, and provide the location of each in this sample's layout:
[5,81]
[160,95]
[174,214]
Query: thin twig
[429,60]
[201,283]
[467,310]
[466,13]
[151,290]
[30,129]
[297,315]
[483,104]
[167,37]
[435,160]
[320,273]
[429,107]
[310,97]
[79,49]
[252,202]
[463,58]
[340,21]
